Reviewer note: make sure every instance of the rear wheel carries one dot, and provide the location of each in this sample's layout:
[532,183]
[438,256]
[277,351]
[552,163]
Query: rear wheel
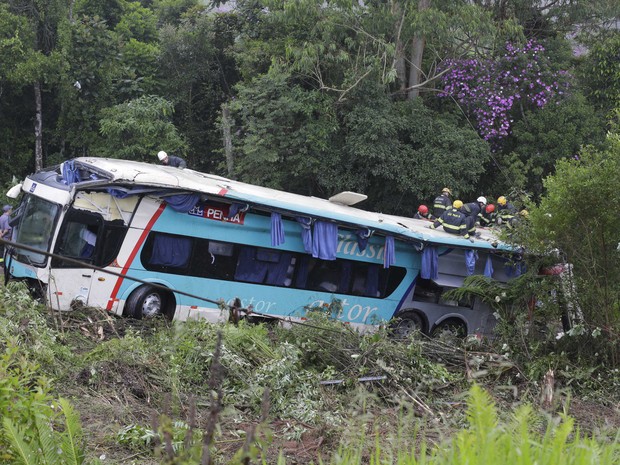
[406,324]
[450,328]
[149,302]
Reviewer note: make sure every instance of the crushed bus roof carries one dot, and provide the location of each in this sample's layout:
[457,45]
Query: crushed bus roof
[132,173]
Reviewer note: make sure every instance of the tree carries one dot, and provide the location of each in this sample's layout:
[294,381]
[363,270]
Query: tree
[197,72]
[601,72]
[579,216]
[400,153]
[90,59]
[138,129]
[495,91]
[555,132]
[40,65]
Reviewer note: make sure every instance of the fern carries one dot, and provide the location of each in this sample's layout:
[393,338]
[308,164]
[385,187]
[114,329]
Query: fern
[44,440]
[15,435]
[70,444]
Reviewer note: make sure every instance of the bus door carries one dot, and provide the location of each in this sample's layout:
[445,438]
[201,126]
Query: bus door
[79,241]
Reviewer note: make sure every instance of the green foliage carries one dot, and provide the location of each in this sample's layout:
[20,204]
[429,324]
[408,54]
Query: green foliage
[286,133]
[552,133]
[89,55]
[31,432]
[399,153]
[21,320]
[488,441]
[138,23]
[587,236]
[197,71]
[138,129]
[601,71]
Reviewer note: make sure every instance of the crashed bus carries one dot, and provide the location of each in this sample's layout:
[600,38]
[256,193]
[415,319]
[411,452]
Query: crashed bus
[142,240]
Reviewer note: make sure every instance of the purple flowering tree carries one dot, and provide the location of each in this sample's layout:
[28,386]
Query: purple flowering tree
[494,92]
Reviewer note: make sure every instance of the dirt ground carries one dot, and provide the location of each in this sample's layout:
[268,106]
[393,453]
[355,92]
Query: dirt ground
[103,414]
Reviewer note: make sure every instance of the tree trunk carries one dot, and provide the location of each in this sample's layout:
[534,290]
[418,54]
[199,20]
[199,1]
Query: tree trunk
[227,140]
[417,51]
[38,128]
[399,48]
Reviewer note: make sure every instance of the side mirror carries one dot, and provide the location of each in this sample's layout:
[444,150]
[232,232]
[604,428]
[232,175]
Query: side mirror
[14,191]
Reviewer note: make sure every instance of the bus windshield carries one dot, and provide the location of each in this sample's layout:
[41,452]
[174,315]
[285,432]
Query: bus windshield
[36,228]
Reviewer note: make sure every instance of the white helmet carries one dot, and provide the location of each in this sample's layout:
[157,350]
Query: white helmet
[162,155]
[482,200]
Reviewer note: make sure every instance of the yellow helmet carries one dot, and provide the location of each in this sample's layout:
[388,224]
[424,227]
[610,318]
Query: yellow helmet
[501,200]
[457,204]
[448,191]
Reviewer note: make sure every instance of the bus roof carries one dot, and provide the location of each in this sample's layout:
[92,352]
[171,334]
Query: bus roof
[127,173]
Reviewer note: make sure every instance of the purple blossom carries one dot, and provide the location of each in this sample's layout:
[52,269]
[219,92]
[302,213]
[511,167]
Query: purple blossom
[488,89]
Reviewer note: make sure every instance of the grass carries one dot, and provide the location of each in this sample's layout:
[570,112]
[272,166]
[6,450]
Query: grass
[151,392]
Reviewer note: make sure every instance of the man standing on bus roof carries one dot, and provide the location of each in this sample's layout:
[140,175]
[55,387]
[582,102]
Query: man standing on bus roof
[442,202]
[171,160]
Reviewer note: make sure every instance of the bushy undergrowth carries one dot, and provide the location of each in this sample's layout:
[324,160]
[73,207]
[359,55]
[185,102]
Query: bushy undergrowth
[320,375]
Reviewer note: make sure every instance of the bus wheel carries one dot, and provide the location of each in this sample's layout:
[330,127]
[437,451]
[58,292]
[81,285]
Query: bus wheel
[406,324]
[147,302]
[451,328]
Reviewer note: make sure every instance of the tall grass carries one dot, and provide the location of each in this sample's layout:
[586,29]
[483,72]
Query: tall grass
[487,441]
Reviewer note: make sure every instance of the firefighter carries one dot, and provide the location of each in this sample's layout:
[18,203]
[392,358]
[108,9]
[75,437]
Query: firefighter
[442,202]
[422,213]
[453,221]
[506,212]
[487,216]
[472,212]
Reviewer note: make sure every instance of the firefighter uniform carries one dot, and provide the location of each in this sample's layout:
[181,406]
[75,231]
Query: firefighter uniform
[441,203]
[453,221]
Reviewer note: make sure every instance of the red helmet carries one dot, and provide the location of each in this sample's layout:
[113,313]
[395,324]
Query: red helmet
[490,208]
[422,209]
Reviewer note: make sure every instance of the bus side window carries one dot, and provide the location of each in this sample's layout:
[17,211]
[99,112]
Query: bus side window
[427,291]
[170,251]
[263,266]
[78,239]
[111,239]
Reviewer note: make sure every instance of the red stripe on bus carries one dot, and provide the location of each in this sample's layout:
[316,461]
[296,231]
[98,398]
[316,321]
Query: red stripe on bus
[133,254]
[223,192]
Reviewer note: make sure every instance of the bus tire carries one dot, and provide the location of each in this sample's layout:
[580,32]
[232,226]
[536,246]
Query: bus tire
[148,302]
[405,324]
[452,326]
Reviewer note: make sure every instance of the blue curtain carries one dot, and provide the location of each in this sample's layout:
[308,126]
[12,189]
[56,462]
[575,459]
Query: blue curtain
[277,230]
[430,263]
[182,202]
[262,266]
[121,193]
[276,271]
[372,281]
[248,268]
[70,174]
[306,232]
[171,251]
[236,208]
[488,267]
[345,277]
[301,280]
[514,269]
[362,238]
[325,240]
[389,257]
[470,261]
